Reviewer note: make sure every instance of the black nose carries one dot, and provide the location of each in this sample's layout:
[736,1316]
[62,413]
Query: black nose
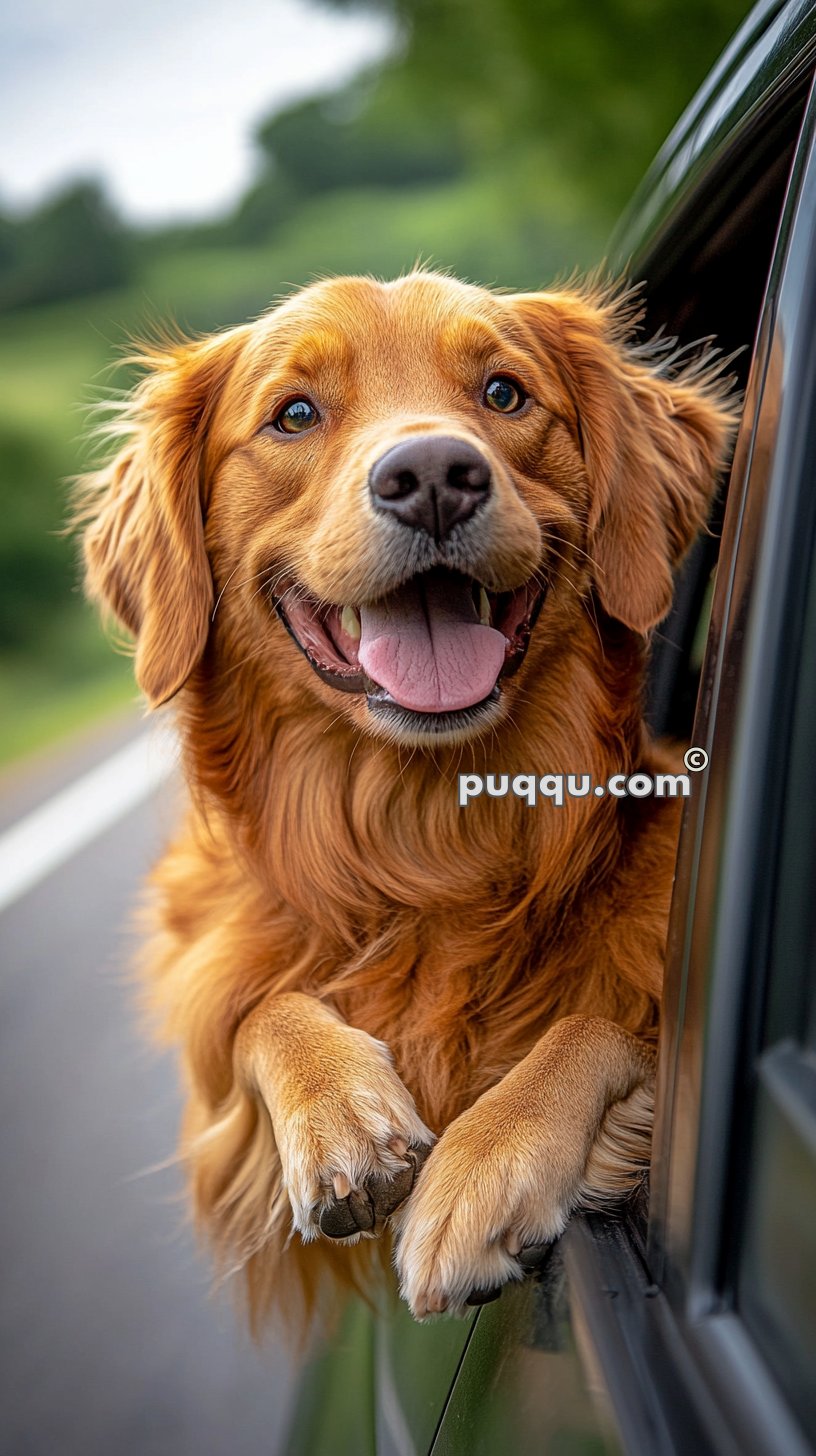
[431,482]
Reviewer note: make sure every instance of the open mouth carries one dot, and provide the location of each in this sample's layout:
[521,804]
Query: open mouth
[434,649]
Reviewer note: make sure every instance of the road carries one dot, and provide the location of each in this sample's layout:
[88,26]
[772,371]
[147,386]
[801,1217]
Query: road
[110,1338]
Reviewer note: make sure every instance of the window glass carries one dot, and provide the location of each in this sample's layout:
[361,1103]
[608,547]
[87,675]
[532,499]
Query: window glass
[776,1275]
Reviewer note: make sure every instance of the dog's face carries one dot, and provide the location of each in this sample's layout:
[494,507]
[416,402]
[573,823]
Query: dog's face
[424,483]
[401,472]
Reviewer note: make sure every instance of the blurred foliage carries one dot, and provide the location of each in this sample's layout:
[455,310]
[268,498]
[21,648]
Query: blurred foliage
[71,245]
[593,84]
[557,107]
[500,139]
[35,576]
[348,141]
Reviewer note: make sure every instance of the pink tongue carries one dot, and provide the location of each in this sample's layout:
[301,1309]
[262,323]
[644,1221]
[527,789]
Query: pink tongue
[425,645]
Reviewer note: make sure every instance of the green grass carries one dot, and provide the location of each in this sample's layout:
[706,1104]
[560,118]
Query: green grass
[517,230]
[40,711]
[70,676]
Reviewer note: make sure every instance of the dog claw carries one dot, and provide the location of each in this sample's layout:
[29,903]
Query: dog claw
[341,1185]
[436,1304]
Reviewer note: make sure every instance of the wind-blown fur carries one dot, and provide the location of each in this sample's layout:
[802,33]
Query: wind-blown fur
[318,860]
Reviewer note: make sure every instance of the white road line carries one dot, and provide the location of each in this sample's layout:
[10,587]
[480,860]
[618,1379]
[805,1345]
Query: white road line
[48,836]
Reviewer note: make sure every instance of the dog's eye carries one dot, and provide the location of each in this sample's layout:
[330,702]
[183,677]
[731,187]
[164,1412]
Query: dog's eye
[504,395]
[297,416]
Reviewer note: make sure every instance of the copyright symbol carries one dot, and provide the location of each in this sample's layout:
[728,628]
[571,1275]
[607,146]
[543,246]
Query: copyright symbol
[695,759]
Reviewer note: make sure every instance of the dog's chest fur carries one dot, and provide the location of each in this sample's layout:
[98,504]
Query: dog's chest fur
[458,950]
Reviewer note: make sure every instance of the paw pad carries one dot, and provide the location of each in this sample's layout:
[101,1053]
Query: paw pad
[533,1257]
[362,1210]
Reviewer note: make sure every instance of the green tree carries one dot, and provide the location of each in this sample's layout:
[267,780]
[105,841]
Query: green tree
[370,134]
[599,82]
[73,244]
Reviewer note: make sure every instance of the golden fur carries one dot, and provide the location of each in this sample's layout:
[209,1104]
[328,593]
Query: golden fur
[350,963]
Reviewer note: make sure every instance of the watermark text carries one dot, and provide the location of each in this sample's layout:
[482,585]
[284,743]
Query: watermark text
[557,788]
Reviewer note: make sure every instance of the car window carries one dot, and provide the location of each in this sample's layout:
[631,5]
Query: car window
[708,280]
[732,1233]
[774,1220]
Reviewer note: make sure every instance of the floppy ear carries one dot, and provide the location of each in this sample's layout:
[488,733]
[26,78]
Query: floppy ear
[143,538]
[653,439]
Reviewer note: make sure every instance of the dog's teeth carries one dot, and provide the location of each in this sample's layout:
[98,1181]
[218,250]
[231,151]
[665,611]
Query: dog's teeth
[350,622]
[484,607]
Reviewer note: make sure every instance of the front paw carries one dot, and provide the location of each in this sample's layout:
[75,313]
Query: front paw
[495,1189]
[350,1150]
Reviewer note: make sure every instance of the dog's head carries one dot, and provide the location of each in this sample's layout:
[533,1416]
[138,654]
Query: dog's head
[424,483]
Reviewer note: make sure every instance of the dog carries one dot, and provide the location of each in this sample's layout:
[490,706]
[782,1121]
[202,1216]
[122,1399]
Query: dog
[384,534]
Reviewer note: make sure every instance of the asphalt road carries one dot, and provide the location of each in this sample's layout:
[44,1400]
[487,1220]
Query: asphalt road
[110,1338]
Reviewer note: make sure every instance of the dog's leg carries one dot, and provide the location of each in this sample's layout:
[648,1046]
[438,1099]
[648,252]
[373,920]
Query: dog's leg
[348,1134]
[569,1125]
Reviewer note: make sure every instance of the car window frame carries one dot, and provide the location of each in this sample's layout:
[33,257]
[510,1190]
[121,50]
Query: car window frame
[723,899]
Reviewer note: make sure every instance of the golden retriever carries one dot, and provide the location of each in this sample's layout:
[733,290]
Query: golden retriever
[387,533]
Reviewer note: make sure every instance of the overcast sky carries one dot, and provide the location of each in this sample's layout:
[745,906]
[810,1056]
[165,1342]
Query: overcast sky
[158,98]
